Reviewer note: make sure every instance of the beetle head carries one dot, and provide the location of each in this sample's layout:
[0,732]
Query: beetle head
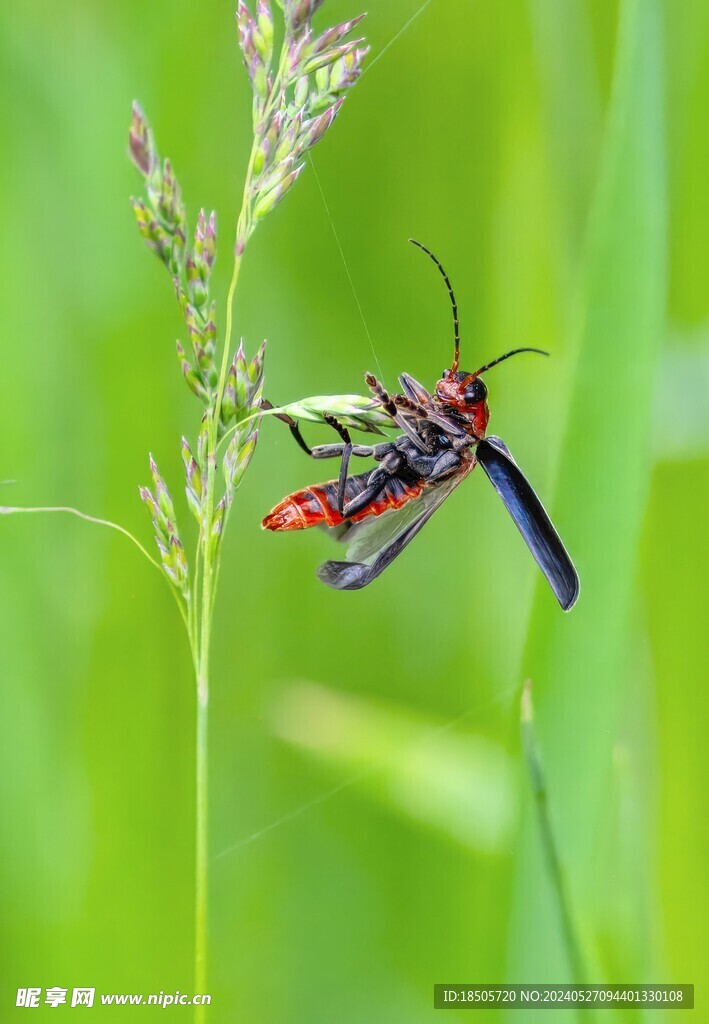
[466,394]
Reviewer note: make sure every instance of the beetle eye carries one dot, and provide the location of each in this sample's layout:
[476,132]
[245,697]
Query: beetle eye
[475,392]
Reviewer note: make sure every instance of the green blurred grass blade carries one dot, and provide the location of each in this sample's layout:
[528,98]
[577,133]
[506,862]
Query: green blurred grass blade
[577,662]
[569,81]
[459,784]
[684,373]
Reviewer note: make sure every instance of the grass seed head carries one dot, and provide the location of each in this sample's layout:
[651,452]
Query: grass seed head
[294,110]
[140,143]
[296,99]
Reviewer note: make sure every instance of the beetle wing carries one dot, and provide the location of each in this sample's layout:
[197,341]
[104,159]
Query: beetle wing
[374,543]
[531,519]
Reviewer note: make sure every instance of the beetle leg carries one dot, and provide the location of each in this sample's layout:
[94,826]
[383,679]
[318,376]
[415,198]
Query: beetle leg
[375,486]
[381,452]
[346,453]
[326,451]
[412,389]
[434,467]
[391,410]
[336,451]
[291,424]
[338,427]
[390,461]
[342,482]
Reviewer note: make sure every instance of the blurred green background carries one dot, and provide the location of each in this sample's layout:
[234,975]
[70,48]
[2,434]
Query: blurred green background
[372,823]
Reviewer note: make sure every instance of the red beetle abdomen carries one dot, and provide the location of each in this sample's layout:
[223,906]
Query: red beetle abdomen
[318,504]
[299,511]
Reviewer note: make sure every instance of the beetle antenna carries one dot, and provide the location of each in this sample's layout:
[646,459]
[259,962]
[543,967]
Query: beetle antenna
[501,359]
[454,304]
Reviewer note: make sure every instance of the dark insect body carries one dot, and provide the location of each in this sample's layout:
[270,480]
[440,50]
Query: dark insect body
[378,512]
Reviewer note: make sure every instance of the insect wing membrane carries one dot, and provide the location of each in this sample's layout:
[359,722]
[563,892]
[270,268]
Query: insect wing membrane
[374,543]
[530,518]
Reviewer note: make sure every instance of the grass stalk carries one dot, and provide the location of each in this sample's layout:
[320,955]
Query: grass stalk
[292,109]
[201,641]
[201,834]
[201,646]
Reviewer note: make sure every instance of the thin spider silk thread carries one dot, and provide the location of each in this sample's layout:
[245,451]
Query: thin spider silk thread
[347,269]
[362,776]
[407,25]
[396,37]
